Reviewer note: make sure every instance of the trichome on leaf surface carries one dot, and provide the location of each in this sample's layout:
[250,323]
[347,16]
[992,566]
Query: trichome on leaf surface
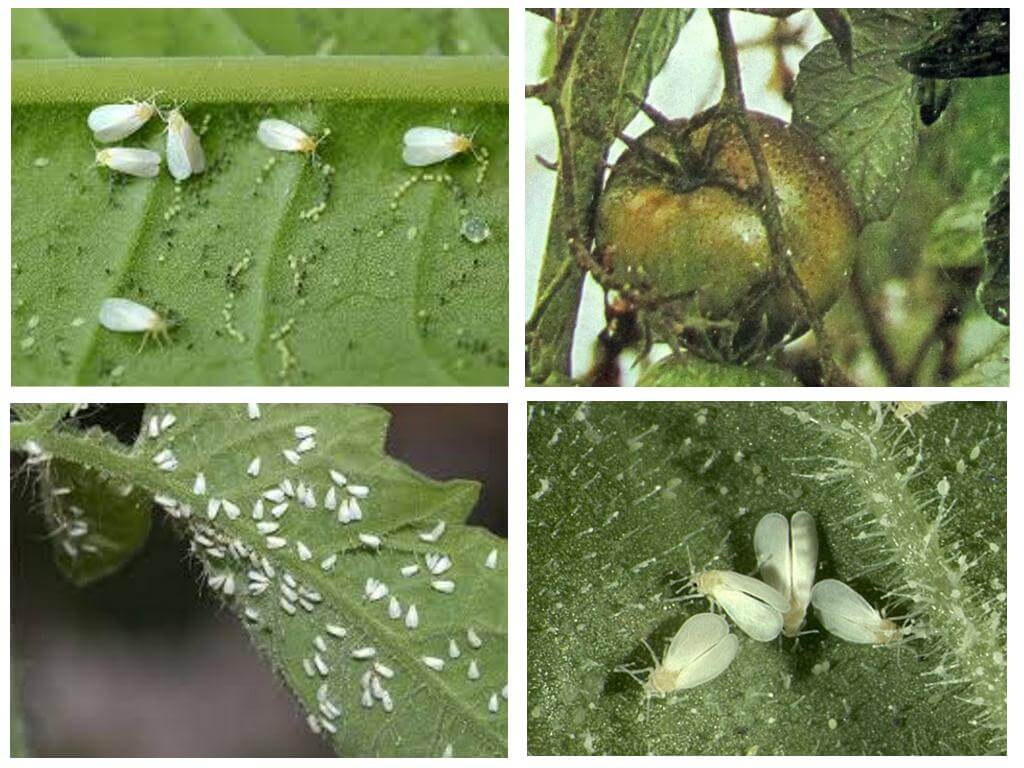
[629,503]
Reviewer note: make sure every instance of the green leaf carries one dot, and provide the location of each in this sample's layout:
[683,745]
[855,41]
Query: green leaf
[433,711]
[98,524]
[994,289]
[696,372]
[865,120]
[400,279]
[991,369]
[975,42]
[627,500]
[619,53]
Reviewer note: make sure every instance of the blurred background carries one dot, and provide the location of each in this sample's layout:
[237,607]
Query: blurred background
[144,663]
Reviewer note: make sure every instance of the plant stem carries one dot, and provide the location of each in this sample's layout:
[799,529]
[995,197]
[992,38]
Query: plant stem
[734,108]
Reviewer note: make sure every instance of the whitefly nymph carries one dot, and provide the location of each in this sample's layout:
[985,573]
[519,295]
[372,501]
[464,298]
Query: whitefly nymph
[787,558]
[701,650]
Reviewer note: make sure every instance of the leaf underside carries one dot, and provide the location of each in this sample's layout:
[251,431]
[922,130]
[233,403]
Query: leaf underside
[626,501]
[293,595]
[386,286]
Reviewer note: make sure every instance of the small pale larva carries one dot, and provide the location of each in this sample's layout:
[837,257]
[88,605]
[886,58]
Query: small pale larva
[130,161]
[112,122]
[282,136]
[756,607]
[184,152]
[701,650]
[787,557]
[424,145]
[126,316]
[848,616]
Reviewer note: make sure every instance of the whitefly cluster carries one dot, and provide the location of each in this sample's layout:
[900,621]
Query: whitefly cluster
[272,508]
[787,559]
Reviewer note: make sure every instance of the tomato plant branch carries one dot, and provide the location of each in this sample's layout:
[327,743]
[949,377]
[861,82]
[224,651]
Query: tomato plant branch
[550,338]
[733,106]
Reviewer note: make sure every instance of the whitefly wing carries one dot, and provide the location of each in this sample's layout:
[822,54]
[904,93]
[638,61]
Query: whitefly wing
[804,559]
[127,316]
[697,635]
[112,122]
[844,613]
[771,545]
[130,160]
[184,151]
[424,145]
[281,135]
[709,665]
[754,606]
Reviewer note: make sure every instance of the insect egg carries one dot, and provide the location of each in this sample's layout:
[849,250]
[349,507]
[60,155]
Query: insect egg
[112,122]
[424,145]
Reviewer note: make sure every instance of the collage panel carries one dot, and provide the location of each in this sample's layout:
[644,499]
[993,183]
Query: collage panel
[743,578]
[259,580]
[767,197]
[259,196]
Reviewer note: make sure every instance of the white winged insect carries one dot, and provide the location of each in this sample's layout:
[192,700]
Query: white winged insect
[282,136]
[424,145]
[113,122]
[755,607]
[126,316]
[787,557]
[847,615]
[130,161]
[184,151]
[700,651]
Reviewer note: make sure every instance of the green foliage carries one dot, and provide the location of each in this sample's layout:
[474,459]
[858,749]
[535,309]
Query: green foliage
[616,54]
[696,372]
[383,285]
[98,524]
[866,119]
[628,500]
[303,592]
